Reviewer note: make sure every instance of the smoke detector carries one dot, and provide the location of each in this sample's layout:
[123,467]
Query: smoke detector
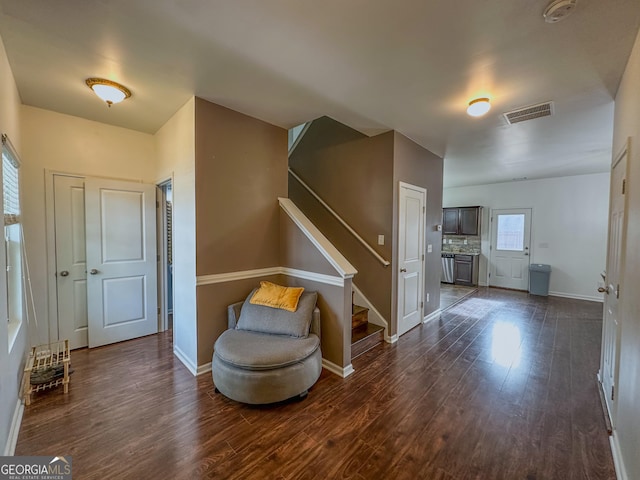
[559,10]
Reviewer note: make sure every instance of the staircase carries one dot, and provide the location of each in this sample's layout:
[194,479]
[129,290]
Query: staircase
[364,335]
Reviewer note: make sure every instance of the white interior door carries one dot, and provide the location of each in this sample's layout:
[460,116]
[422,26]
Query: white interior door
[71,269]
[412,206]
[611,327]
[121,260]
[510,239]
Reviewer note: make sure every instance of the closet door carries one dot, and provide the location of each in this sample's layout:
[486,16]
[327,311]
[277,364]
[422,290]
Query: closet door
[71,268]
[121,260]
[113,224]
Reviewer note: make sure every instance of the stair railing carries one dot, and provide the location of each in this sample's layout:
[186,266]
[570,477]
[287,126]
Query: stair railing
[364,243]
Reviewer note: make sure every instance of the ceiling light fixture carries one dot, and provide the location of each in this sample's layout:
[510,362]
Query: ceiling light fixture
[559,10]
[109,91]
[478,107]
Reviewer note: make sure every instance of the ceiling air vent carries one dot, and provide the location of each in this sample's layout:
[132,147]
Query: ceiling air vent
[529,113]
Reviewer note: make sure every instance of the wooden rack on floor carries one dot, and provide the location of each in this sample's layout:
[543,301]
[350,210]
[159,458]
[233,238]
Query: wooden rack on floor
[47,367]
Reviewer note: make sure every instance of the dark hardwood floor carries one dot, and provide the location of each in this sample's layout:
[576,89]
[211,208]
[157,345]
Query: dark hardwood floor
[451,294]
[502,386]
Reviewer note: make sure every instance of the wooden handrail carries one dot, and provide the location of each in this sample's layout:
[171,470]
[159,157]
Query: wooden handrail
[384,262]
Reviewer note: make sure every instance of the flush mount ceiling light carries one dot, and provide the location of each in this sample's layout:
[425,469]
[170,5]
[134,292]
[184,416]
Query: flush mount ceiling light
[478,107]
[109,91]
[559,10]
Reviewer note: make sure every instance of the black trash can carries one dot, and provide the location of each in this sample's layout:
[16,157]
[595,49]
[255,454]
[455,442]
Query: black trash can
[539,279]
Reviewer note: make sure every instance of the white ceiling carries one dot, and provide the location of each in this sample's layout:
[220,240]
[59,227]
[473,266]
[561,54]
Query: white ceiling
[375,65]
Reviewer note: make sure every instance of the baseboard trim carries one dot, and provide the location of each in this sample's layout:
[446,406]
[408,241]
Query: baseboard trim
[621,473]
[392,339]
[185,360]
[333,368]
[432,315]
[577,297]
[206,368]
[16,421]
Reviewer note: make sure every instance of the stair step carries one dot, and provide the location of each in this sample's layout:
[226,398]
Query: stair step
[364,338]
[359,316]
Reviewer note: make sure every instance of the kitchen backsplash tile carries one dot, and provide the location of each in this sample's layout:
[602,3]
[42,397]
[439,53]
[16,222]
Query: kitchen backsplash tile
[457,244]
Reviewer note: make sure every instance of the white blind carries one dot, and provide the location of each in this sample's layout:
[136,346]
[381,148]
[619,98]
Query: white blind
[11,190]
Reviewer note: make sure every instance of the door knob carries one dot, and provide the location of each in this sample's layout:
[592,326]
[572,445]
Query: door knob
[403,269]
[93,271]
[526,254]
[64,273]
[604,290]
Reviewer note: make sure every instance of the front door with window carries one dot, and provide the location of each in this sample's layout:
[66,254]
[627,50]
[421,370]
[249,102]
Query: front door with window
[510,239]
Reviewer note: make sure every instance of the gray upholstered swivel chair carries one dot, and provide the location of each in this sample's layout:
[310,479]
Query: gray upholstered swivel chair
[268,355]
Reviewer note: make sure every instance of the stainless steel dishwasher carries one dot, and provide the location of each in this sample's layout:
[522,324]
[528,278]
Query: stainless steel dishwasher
[448,263]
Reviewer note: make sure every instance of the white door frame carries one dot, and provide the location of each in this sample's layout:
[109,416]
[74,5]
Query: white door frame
[49,205]
[423,234]
[611,405]
[491,250]
[49,208]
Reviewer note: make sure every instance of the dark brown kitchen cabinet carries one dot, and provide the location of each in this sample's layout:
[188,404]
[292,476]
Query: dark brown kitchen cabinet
[465,271]
[461,221]
[450,218]
[468,220]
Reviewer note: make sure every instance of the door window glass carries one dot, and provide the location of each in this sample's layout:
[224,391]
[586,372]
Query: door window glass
[510,234]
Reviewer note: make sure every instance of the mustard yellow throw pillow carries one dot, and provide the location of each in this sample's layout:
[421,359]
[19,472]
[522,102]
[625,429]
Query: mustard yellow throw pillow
[276,296]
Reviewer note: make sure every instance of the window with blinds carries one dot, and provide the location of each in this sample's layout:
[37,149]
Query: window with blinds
[12,233]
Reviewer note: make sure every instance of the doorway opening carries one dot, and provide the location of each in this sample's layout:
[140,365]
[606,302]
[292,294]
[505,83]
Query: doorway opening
[165,254]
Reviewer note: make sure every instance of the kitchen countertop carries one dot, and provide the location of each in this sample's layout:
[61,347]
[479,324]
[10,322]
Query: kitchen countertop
[458,252]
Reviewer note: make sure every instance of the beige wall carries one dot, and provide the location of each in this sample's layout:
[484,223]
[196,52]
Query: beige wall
[353,178]
[175,157]
[241,165]
[212,302]
[627,124]
[11,362]
[358,177]
[297,252]
[335,307]
[63,143]
[418,166]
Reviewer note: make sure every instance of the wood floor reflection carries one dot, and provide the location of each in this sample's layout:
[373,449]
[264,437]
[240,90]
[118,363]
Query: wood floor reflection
[451,294]
[502,386]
